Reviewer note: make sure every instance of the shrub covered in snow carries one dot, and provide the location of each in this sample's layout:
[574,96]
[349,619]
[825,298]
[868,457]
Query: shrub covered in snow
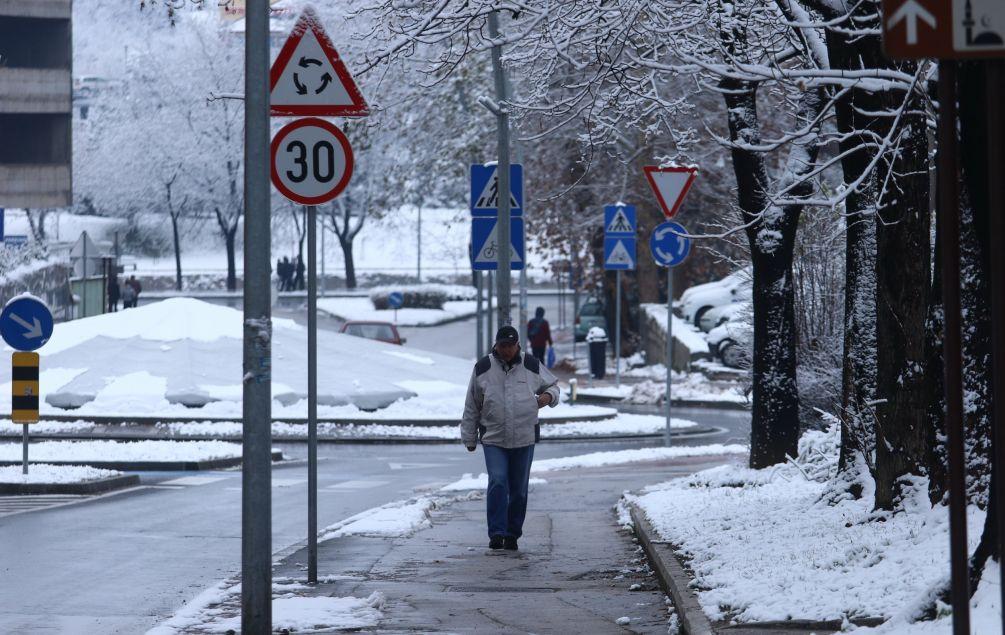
[421,296]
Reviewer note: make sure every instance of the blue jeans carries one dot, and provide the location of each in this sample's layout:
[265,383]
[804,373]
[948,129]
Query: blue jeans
[506,499]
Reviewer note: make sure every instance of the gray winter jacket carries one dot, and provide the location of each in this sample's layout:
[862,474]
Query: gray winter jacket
[501,407]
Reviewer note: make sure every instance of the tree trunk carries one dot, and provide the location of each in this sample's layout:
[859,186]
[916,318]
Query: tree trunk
[350,266]
[774,427]
[231,240]
[177,252]
[903,267]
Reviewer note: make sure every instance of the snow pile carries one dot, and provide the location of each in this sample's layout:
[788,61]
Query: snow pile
[103,451]
[813,558]
[399,518]
[217,610]
[46,473]
[450,291]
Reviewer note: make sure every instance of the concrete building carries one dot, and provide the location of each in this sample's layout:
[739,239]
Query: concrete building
[36,59]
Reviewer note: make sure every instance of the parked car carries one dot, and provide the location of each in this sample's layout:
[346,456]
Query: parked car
[381,331]
[591,313]
[732,342]
[717,316]
[699,299]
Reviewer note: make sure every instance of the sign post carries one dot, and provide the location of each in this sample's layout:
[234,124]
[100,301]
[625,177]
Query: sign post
[619,255]
[26,325]
[256,468]
[312,163]
[396,300]
[669,245]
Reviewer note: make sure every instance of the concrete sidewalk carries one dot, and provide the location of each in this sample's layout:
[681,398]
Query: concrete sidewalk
[577,571]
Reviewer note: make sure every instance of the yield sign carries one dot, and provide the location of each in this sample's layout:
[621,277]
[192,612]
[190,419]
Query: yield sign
[670,185]
[309,78]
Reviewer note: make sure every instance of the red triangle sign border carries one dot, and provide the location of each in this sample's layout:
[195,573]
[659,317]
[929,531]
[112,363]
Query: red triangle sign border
[670,210]
[309,20]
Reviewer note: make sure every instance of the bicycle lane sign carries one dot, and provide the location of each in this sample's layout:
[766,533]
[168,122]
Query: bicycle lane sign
[485,244]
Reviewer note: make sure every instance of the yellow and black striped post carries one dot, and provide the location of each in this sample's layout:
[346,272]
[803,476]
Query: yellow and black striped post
[24,397]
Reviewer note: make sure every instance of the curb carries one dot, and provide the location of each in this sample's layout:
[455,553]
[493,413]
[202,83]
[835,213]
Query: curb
[678,403]
[99,486]
[155,466]
[418,423]
[674,580]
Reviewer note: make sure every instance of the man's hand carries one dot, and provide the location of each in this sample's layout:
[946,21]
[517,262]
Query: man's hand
[544,399]
[470,448]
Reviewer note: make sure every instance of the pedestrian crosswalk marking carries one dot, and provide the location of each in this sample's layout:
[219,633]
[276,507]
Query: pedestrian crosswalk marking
[620,223]
[359,484]
[619,255]
[411,466]
[489,198]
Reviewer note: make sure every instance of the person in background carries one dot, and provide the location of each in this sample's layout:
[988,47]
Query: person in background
[298,283]
[137,288]
[128,296]
[539,334]
[114,292]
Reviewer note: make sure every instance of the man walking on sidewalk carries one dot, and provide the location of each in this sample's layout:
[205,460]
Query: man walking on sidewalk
[539,333]
[506,390]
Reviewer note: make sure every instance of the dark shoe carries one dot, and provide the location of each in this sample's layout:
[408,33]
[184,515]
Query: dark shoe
[496,542]
[510,543]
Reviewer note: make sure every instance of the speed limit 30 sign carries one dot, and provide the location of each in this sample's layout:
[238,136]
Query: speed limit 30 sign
[311,161]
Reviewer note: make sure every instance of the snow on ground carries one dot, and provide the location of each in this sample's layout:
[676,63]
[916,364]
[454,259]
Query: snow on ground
[471,482]
[686,387]
[88,451]
[46,473]
[362,309]
[399,518]
[217,610]
[814,558]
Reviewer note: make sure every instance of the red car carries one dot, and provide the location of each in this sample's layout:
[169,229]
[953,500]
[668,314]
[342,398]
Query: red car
[381,331]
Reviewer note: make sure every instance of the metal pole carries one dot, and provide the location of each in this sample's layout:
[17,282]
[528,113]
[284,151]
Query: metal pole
[523,303]
[83,284]
[996,234]
[575,314]
[479,318]
[669,346]
[490,334]
[256,481]
[312,395]
[617,329]
[24,449]
[503,192]
[949,227]
[418,245]
[322,287]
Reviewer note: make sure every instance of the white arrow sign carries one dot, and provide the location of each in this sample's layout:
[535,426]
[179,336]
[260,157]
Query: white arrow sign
[909,13]
[33,330]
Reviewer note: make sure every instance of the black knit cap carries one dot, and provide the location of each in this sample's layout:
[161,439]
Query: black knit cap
[507,335]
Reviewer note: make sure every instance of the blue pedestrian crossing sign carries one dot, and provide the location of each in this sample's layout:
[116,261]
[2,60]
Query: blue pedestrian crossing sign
[619,253]
[669,244]
[485,189]
[26,323]
[619,220]
[485,244]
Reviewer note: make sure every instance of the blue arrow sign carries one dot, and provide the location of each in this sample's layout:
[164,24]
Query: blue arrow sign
[485,246]
[395,299]
[485,190]
[26,323]
[619,253]
[619,220]
[669,244]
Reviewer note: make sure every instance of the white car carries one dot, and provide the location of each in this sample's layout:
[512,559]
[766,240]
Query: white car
[694,302]
[719,315]
[732,342]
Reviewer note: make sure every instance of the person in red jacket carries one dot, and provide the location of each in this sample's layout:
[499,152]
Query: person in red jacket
[539,334]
